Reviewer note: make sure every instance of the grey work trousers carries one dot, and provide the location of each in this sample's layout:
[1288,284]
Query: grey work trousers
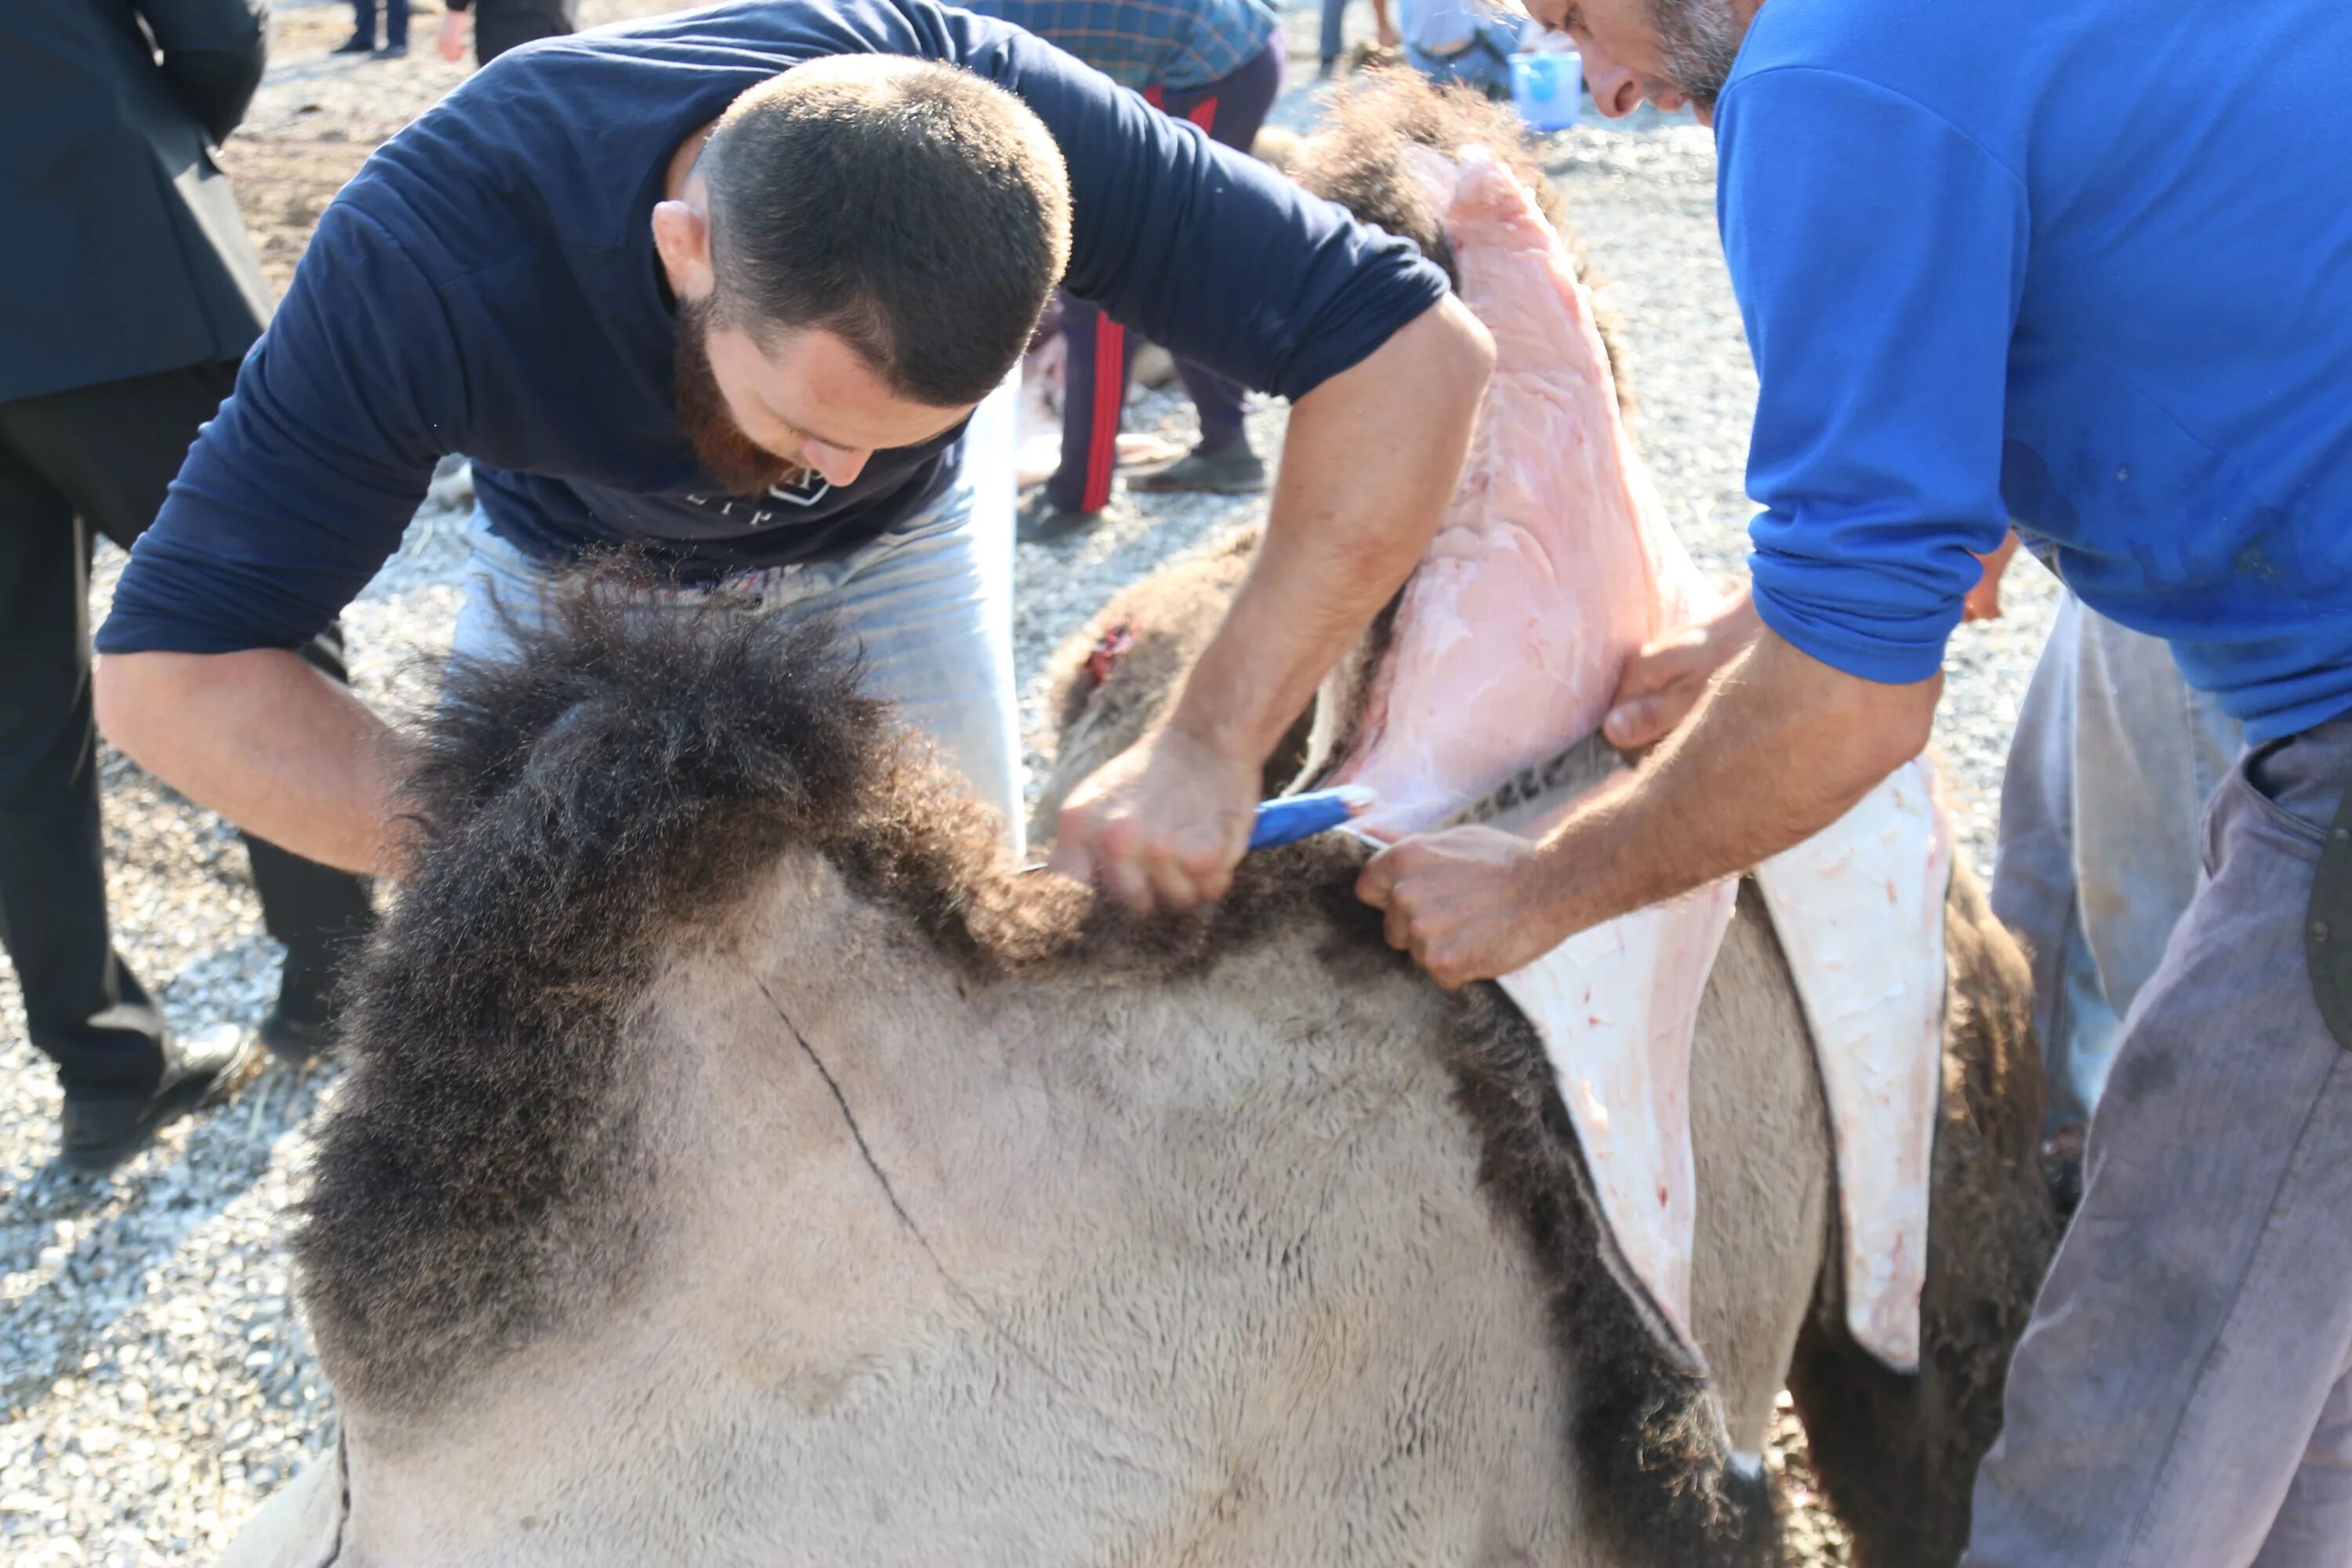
[2182,1396]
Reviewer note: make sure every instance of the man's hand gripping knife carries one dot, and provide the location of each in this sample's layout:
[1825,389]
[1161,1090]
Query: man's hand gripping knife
[1776,747]
[1371,457]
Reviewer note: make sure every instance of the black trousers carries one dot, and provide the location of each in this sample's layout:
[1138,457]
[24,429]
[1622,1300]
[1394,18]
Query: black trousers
[74,465]
[499,27]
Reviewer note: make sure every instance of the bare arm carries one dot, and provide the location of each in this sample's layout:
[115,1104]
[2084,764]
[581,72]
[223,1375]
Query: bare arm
[1370,461]
[265,741]
[1783,746]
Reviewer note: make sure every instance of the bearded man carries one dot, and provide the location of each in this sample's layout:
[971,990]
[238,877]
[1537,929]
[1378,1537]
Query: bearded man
[2090,265]
[725,286]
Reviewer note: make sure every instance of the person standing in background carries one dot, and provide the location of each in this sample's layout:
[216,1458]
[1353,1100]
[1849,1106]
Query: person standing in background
[1335,13]
[133,294]
[363,38]
[500,24]
[1216,64]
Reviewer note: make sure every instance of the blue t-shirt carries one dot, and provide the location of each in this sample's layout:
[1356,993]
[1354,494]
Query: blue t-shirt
[487,284]
[2088,265]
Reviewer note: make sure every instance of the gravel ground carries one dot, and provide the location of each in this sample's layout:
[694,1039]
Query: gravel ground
[154,1380]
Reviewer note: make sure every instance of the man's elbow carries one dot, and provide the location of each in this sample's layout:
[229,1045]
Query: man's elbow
[1857,729]
[1894,724]
[1455,347]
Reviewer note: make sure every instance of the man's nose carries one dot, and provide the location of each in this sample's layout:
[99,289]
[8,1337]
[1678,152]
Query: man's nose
[1616,91]
[839,465]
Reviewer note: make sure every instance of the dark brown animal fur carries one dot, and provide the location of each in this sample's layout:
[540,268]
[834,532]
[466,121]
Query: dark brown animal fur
[608,794]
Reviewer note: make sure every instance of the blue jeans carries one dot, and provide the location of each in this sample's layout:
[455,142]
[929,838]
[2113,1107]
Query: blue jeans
[1335,13]
[395,21]
[931,601]
[2113,759]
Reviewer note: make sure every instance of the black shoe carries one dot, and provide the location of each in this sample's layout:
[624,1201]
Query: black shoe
[98,1132]
[389,52]
[1229,470]
[354,45]
[1041,520]
[295,1041]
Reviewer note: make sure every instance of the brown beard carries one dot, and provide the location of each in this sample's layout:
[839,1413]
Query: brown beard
[741,467]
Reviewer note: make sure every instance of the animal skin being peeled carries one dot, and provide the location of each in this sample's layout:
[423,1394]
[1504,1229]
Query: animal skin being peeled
[1552,567]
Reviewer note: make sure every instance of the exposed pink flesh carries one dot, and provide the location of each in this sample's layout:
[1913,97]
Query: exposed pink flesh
[1552,566]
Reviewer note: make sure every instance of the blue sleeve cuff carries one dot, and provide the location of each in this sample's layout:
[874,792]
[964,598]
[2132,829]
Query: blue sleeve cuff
[1900,648]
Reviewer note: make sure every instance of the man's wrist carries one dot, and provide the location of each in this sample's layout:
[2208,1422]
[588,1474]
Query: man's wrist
[1227,735]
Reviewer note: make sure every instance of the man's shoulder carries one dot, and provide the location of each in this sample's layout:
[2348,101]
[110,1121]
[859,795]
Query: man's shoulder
[1957,60]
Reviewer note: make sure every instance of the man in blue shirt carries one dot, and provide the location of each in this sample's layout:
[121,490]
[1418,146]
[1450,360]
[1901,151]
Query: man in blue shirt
[2091,265]
[725,286]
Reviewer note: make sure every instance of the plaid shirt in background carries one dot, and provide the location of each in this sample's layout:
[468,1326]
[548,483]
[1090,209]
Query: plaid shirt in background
[1172,43]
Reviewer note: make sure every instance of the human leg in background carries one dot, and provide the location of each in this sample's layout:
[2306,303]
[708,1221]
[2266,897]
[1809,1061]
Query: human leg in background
[363,38]
[1100,354]
[2034,888]
[321,916]
[395,27]
[81,463]
[112,450]
[2177,1397]
[1335,16]
[2113,759]
[1231,110]
[84,1008]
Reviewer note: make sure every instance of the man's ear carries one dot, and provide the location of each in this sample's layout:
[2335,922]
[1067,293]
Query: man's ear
[682,238]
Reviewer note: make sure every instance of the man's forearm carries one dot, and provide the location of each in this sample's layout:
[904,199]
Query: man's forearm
[270,744]
[1371,461]
[1783,746]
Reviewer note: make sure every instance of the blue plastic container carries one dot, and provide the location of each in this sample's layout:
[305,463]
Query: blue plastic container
[1546,89]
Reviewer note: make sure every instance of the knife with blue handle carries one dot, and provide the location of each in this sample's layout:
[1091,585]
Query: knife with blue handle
[1296,816]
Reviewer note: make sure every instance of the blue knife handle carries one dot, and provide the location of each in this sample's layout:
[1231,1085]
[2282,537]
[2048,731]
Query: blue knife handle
[1297,816]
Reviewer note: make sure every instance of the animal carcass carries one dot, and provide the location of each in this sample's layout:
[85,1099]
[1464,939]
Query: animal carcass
[1553,565]
[741,1164]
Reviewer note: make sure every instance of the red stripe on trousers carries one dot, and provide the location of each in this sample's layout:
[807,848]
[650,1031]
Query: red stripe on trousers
[1110,395]
[1110,358]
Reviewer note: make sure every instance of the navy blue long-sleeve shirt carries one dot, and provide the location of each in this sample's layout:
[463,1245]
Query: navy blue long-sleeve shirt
[487,284]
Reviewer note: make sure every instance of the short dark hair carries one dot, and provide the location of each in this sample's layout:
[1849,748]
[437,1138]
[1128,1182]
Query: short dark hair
[913,208]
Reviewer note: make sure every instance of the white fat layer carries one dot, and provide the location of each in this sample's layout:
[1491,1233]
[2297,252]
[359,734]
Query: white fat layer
[1860,912]
[1616,1007]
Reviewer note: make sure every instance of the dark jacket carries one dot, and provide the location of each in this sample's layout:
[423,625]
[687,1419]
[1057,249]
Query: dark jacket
[124,253]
